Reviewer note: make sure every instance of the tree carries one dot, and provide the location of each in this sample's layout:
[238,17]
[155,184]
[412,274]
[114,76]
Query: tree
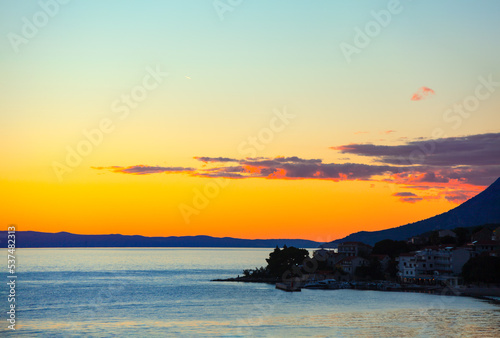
[485,269]
[463,235]
[390,247]
[280,261]
[447,240]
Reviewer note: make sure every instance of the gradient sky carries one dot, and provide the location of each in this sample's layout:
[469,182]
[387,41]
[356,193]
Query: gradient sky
[228,75]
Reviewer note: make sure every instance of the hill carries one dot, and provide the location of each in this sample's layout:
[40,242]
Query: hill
[33,239]
[482,209]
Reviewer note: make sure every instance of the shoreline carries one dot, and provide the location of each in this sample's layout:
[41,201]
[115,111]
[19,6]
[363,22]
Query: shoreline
[491,295]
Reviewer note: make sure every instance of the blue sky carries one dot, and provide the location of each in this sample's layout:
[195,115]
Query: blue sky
[226,77]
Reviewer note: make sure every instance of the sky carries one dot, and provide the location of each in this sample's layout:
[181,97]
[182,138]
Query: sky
[248,119]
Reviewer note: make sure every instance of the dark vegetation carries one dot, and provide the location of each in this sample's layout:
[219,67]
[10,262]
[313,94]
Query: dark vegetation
[482,269]
[279,262]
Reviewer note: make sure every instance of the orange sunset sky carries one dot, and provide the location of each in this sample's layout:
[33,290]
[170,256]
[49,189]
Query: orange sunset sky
[282,120]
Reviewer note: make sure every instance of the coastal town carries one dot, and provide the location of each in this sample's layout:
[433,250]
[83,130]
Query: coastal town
[462,261]
[429,264]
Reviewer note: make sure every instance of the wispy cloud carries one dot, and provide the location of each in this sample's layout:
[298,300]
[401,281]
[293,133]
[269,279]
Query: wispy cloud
[457,196]
[454,169]
[407,197]
[422,93]
[411,199]
[146,170]
[214,159]
[404,194]
[271,168]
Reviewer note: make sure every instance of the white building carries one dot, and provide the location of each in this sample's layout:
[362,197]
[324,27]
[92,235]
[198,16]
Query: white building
[406,266]
[432,264]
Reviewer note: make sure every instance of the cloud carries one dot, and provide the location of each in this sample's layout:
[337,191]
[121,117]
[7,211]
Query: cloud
[298,168]
[388,131]
[411,199]
[408,197]
[422,93]
[404,194]
[454,168]
[361,132]
[214,159]
[472,159]
[472,150]
[457,196]
[145,169]
[271,168]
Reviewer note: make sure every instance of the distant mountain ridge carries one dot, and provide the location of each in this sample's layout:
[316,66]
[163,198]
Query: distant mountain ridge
[482,209]
[34,239]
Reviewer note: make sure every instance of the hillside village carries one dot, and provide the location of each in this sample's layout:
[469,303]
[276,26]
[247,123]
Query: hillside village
[436,261]
[444,257]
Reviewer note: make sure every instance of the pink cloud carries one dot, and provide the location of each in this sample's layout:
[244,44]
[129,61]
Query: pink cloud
[422,93]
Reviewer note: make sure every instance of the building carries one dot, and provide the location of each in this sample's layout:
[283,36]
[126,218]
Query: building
[406,267]
[488,246]
[432,265]
[484,234]
[331,257]
[433,261]
[384,261]
[350,264]
[353,249]
[417,240]
[459,256]
[496,235]
[444,233]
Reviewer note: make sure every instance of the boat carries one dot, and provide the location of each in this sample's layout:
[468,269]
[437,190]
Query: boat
[288,287]
[323,284]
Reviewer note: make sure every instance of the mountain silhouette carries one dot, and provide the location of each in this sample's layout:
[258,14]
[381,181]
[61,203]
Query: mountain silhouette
[481,209]
[34,239]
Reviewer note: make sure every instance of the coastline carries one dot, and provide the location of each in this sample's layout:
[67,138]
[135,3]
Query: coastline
[490,294]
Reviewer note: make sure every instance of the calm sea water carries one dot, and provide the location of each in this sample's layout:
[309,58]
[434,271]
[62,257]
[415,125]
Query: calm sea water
[167,292]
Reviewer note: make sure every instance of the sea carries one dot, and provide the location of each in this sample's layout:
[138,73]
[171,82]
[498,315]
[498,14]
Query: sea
[168,292]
